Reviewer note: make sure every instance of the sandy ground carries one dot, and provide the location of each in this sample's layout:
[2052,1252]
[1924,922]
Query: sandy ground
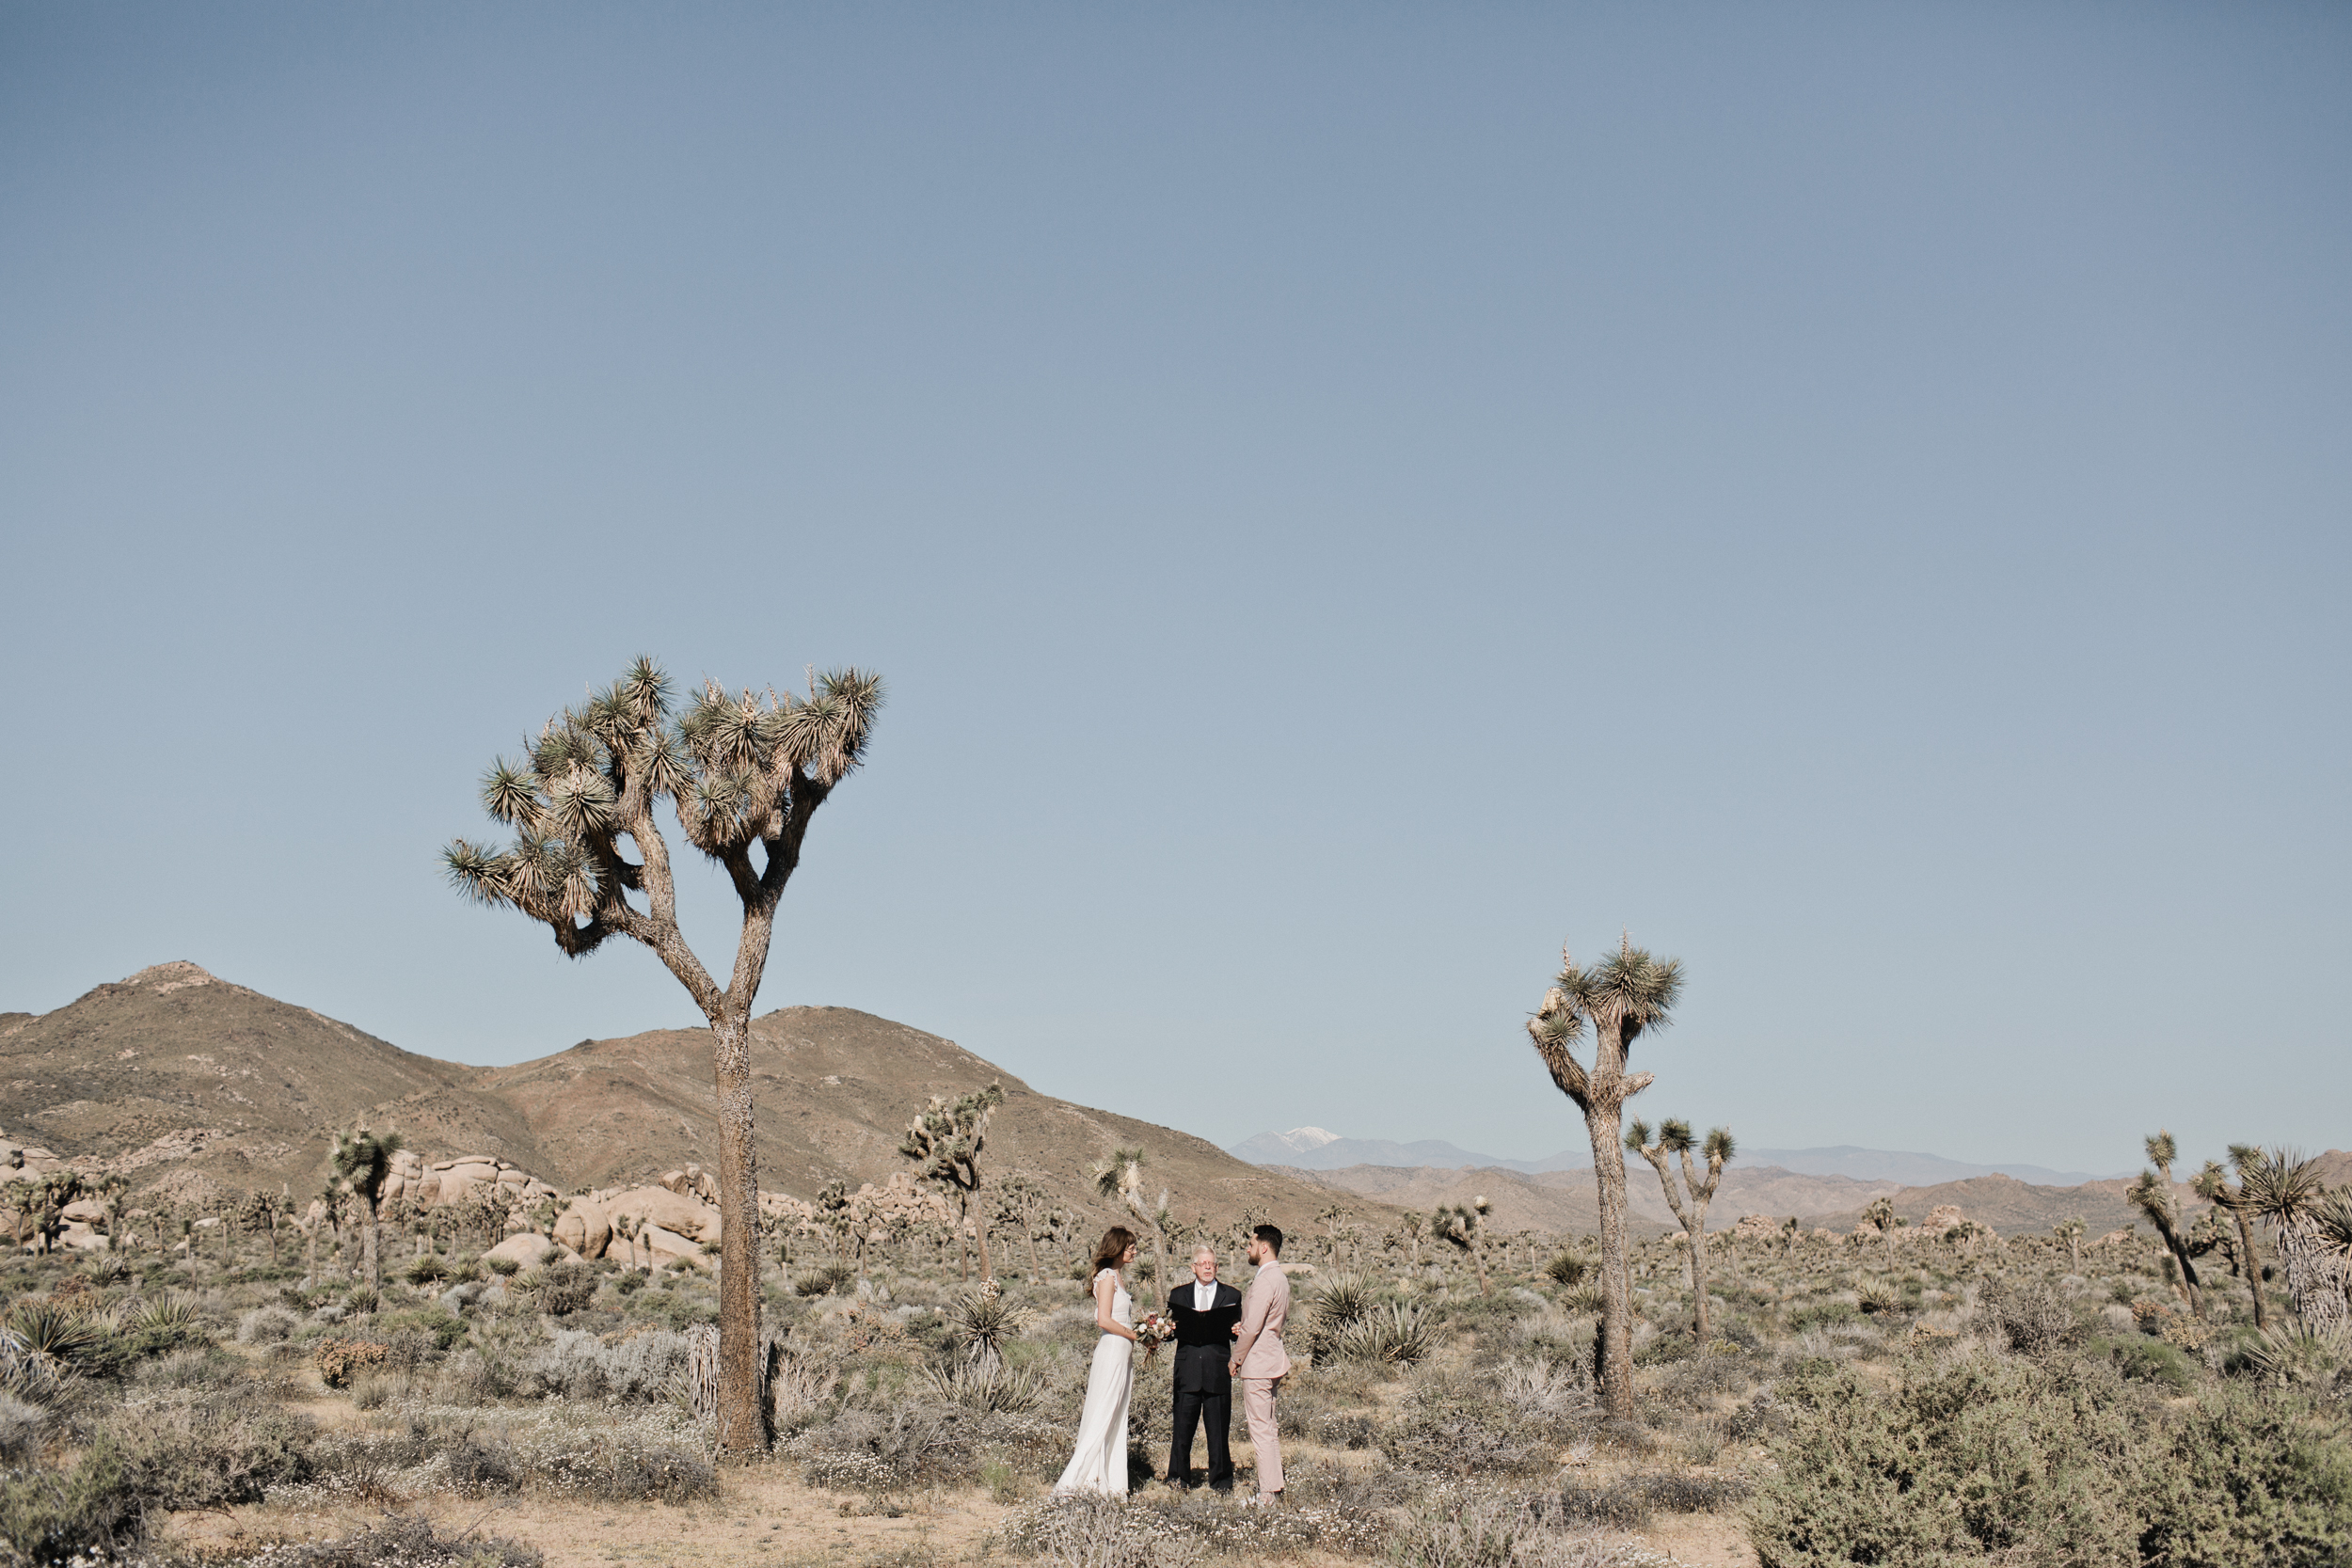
[766,1517]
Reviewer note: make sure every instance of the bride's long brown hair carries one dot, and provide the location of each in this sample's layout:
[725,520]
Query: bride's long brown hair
[1108,1252]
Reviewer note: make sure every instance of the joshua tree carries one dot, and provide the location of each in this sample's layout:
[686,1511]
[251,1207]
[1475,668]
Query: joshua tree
[1674,1137]
[2069,1231]
[2231,1236]
[1465,1229]
[743,772]
[1415,1224]
[2152,1195]
[1118,1176]
[1024,1195]
[2285,1190]
[1618,999]
[364,1160]
[946,1140]
[1881,1214]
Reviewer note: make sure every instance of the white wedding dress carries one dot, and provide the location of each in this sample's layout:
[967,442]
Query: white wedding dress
[1100,1464]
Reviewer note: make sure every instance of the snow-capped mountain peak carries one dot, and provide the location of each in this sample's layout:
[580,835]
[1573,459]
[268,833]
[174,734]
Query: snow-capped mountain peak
[1305,1138]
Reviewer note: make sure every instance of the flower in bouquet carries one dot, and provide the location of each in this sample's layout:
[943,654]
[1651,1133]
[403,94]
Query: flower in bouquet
[1156,1329]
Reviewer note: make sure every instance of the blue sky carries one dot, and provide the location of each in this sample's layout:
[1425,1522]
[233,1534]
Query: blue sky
[1345,498]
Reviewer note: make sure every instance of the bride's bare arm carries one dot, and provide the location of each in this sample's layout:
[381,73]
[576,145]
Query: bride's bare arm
[1105,1286]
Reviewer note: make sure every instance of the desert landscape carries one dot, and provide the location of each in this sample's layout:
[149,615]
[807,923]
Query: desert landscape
[198,1369]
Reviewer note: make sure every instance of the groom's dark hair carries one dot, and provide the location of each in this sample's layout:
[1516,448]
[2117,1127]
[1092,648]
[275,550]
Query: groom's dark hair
[1271,1236]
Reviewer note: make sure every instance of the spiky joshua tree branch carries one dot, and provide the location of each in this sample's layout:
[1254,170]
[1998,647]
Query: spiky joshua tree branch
[744,773]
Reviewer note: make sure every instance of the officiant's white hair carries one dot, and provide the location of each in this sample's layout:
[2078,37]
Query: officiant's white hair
[1204,1248]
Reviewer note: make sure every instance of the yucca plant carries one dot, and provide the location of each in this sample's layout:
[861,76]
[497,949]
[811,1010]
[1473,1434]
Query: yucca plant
[2299,1356]
[991,1387]
[1118,1176]
[1674,1138]
[1618,999]
[46,1329]
[2284,1189]
[1566,1270]
[174,1312]
[981,1322]
[1395,1334]
[745,774]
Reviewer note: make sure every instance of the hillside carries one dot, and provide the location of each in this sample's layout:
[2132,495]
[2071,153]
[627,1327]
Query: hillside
[176,1067]
[1562,1201]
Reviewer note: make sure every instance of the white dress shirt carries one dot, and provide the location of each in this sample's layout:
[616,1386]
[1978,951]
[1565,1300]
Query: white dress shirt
[1203,1296]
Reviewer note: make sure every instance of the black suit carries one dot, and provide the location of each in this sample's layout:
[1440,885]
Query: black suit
[1204,1389]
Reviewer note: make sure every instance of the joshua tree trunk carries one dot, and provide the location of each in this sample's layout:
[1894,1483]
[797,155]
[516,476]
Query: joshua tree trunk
[1603,1121]
[367,1247]
[2254,1263]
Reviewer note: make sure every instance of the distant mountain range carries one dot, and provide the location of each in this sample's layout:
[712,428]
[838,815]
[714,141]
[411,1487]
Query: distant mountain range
[1314,1148]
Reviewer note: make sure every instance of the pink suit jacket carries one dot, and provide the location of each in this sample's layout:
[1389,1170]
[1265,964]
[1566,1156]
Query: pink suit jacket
[1264,1310]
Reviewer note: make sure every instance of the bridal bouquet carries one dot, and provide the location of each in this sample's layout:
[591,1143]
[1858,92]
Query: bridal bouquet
[1156,1329]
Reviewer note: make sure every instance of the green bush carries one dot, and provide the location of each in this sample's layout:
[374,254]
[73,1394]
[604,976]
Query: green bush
[2059,1461]
[2146,1360]
[59,1516]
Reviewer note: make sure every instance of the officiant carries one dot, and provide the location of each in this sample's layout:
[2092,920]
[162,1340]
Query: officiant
[1207,1316]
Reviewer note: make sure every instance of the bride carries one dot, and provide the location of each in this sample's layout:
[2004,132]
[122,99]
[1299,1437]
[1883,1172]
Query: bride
[1100,1464]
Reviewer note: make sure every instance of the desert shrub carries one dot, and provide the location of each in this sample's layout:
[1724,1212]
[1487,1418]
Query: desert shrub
[2145,1360]
[2248,1478]
[482,1464]
[1550,1391]
[409,1541]
[1664,1350]
[2028,1461]
[1631,1501]
[338,1359]
[2029,1315]
[506,1268]
[885,1452]
[73,1515]
[439,1329]
[1876,1296]
[207,1451]
[1155,1531]
[1448,1429]
[1822,1314]
[425,1269]
[1722,1370]
[579,1366]
[265,1325]
[359,1299]
[1452,1526]
[203,1367]
[561,1288]
[23,1427]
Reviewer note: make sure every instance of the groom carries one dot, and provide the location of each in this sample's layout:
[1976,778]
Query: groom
[1207,1316]
[1259,1362]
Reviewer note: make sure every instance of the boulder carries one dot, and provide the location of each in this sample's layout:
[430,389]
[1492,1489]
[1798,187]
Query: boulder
[1752,1227]
[83,1211]
[671,1211]
[670,1249]
[585,1228]
[1942,1218]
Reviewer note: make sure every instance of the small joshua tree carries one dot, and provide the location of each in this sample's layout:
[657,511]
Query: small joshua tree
[2069,1231]
[1881,1214]
[2214,1185]
[1118,1176]
[1464,1229]
[2152,1195]
[745,774]
[1674,1138]
[945,1141]
[364,1160]
[1617,999]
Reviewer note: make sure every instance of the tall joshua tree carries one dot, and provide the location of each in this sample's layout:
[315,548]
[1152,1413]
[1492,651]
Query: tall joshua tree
[744,773]
[2153,1195]
[2069,1231]
[2213,1184]
[1118,1176]
[2285,1190]
[945,1141]
[1464,1229]
[1674,1137]
[364,1160]
[1617,999]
